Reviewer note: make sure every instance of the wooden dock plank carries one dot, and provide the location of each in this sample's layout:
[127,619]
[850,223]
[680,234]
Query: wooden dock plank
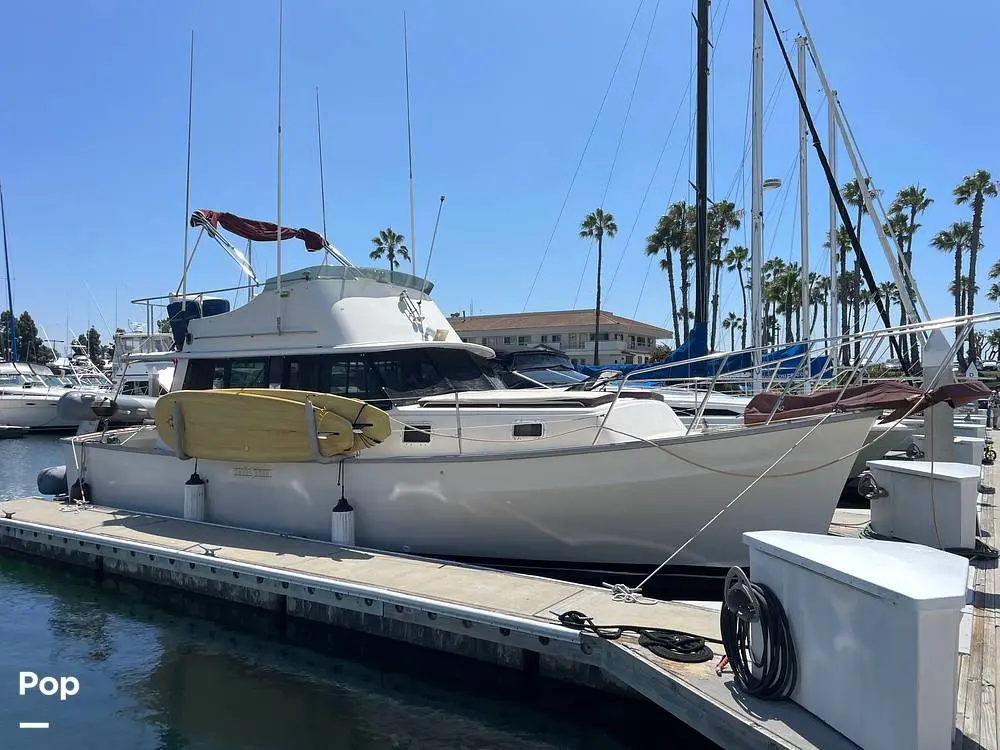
[976,703]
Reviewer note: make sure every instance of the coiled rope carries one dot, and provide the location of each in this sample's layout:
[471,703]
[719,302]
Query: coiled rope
[666,643]
[747,604]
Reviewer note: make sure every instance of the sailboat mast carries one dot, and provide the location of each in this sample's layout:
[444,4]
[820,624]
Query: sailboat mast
[10,294]
[831,105]
[278,231]
[757,192]
[803,201]
[702,260]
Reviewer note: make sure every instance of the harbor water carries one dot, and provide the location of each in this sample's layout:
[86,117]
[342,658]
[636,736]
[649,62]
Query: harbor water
[162,672]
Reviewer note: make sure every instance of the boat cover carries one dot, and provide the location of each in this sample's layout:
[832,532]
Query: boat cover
[900,397]
[256,231]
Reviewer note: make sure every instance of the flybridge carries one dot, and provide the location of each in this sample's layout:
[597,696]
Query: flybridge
[384,275]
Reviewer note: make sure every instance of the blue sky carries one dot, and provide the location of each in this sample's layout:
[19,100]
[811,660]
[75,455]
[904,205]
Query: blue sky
[503,96]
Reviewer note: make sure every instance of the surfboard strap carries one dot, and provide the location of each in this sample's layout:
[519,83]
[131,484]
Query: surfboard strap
[178,419]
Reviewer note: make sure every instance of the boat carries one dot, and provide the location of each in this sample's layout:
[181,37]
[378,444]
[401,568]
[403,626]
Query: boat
[140,364]
[471,470]
[29,397]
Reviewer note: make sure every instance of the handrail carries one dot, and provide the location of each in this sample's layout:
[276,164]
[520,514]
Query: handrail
[828,346]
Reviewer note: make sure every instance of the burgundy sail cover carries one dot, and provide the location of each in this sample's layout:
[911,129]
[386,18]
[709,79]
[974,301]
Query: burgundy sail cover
[900,397]
[256,231]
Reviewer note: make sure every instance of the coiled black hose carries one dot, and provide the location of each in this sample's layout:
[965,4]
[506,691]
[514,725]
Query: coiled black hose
[675,645]
[747,604]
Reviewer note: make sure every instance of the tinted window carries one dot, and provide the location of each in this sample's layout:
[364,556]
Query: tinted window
[348,377]
[302,373]
[248,373]
[408,375]
[205,374]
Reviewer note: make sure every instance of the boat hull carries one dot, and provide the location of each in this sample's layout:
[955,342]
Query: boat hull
[625,504]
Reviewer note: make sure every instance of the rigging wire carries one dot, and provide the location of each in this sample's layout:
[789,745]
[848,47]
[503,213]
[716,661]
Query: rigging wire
[618,146]
[579,163]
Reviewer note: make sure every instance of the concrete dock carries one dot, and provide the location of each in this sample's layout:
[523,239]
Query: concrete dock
[505,619]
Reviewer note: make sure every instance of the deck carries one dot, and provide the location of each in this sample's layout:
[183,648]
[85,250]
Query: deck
[976,714]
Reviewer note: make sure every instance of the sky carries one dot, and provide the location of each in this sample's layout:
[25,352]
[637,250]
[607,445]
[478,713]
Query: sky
[503,97]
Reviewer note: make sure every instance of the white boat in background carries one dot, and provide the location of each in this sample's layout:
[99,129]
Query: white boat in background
[471,470]
[139,363]
[29,395]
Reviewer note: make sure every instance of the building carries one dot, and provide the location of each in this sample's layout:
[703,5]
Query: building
[622,341]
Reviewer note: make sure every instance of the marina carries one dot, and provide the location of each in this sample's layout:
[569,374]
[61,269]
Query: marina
[487,615]
[501,618]
[754,507]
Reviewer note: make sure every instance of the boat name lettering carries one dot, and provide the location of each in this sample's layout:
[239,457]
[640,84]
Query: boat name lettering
[252,472]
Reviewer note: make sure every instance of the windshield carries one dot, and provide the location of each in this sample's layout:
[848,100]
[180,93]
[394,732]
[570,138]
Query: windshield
[408,375]
[11,378]
[558,375]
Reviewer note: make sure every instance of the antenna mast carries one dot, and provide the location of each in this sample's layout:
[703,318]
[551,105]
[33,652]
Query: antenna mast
[409,145]
[322,182]
[187,179]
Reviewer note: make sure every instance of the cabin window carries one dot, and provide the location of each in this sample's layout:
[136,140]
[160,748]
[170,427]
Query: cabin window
[302,373]
[275,370]
[419,433]
[349,377]
[205,375]
[248,373]
[528,429]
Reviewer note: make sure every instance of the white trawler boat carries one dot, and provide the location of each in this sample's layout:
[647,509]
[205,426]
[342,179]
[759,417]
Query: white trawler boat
[471,470]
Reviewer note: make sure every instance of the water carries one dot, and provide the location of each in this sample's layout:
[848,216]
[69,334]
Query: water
[151,676]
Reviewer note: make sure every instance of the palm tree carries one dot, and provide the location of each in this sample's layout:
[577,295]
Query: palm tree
[993,339]
[736,260]
[732,323]
[975,189]
[667,238]
[955,240]
[596,225]
[819,291]
[853,195]
[686,253]
[389,244]
[910,201]
[993,293]
[722,218]
[889,293]
[843,298]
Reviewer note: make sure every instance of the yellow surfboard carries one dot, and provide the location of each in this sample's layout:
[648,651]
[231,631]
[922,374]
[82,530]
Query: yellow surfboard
[371,424]
[263,425]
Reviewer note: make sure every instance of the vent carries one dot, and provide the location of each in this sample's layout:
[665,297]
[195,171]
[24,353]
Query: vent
[418,433]
[528,429]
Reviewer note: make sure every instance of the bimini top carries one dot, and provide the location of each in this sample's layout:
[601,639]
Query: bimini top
[384,275]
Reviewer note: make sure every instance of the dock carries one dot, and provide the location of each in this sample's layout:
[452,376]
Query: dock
[506,619]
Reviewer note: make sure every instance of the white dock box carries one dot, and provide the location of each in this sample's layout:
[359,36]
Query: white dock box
[932,503]
[876,628]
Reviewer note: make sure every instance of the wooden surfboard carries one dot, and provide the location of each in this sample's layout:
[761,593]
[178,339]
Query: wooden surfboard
[371,424]
[262,425]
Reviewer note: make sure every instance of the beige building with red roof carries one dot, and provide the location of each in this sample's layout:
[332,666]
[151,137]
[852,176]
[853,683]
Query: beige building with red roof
[622,340]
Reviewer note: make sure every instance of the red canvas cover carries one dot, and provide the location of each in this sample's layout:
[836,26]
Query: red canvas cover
[898,396]
[256,231]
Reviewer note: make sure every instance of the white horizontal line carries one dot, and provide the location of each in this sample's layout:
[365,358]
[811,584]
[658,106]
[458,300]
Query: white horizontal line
[33,725]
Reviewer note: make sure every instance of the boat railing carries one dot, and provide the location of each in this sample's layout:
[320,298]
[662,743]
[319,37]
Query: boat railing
[801,377]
